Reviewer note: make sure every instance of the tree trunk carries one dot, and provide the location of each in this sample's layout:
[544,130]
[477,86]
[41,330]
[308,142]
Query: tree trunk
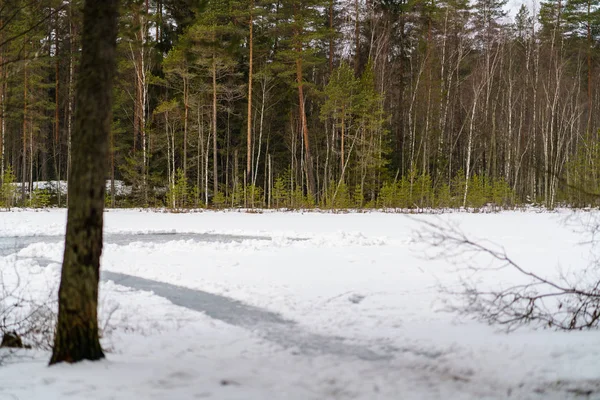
[76,335]
[2,108]
[31,156]
[477,91]
[304,123]
[24,163]
[214,126]
[70,94]
[139,56]
[2,129]
[57,114]
[112,169]
[136,59]
[260,132]
[249,126]
[342,136]
[199,153]
[589,65]
[143,103]
[331,37]
[186,111]
[356,38]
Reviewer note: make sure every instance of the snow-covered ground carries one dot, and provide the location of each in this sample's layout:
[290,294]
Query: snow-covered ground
[234,305]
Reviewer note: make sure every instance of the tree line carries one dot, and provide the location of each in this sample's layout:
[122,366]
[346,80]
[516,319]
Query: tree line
[331,103]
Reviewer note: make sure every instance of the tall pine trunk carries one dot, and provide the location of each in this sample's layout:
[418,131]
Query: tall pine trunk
[57,152]
[304,123]
[24,160]
[249,127]
[2,107]
[214,126]
[76,335]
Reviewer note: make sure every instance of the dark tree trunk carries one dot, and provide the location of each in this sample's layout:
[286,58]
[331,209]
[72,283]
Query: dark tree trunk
[76,336]
[249,126]
[214,127]
[311,188]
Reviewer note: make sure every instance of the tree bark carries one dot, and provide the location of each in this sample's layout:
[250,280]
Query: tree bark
[76,335]
[24,160]
[69,118]
[589,65]
[186,113]
[356,38]
[331,37]
[299,80]
[57,152]
[214,126]
[249,127]
[2,107]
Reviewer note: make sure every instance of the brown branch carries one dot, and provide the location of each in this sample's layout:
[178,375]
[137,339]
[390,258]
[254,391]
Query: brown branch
[577,307]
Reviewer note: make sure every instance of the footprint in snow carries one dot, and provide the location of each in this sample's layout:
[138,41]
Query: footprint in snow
[356,298]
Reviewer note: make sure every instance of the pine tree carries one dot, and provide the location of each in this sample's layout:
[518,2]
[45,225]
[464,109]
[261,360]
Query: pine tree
[213,43]
[76,336]
[583,19]
[341,93]
[301,25]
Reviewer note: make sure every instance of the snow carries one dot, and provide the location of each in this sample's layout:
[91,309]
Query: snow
[121,188]
[235,305]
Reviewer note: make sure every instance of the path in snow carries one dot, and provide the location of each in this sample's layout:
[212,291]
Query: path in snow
[11,245]
[269,325]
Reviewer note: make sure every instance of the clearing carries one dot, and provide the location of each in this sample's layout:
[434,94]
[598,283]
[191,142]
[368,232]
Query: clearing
[299,306]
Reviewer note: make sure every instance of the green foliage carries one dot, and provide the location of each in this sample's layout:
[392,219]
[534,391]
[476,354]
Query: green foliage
[581,14]
[8,188]
[423,192]
[358,197]
[328,195]
[402,193]
[457,188]
[195,196]
[280,197]
[298,200]
[249,196]
[236,197]
[413,190]
[283,197]
[219,200]
[416,190]
[342,96]
[502,195]
[582,172]
[254,196]
[309,201]
[443,196]
[477,193]
[387,195]
[338,196]
[178,194]
[132,169]
[299,24]
[372,119]
[40,198]
[107,199]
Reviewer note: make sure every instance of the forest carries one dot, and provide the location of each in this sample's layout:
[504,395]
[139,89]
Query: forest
[315,103]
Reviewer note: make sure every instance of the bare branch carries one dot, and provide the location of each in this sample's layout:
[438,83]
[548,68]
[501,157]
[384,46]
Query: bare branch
[555,303]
